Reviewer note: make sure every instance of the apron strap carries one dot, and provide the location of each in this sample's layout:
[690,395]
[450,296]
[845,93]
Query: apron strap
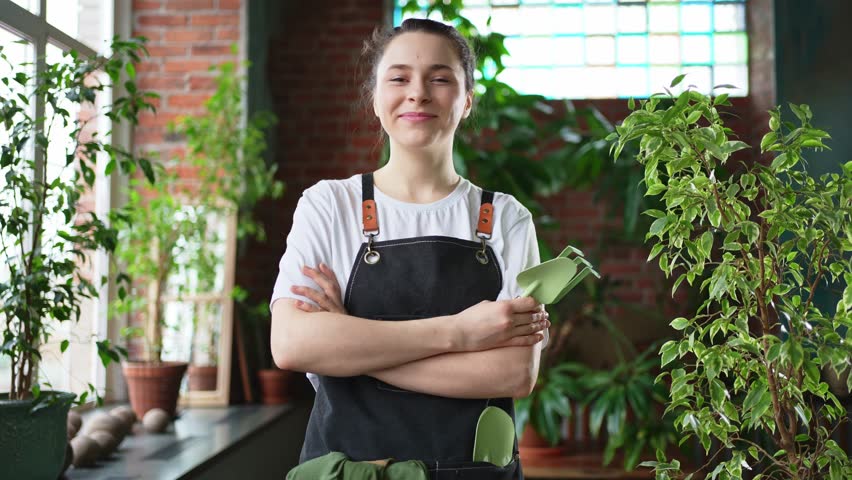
[369,213]
[486,216]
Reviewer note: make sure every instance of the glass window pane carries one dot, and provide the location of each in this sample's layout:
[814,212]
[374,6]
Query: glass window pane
[736,75]
[569,19]
[600,50]
[529,51]
[631,19]
[600,19]
[505,21]
[85,20]
[695,48]
[632,81]
[569,50]
[661,77]
[632,49]
[730,48]
[696,18]
[664,18]
[537,19]
[664,49]
[729,17]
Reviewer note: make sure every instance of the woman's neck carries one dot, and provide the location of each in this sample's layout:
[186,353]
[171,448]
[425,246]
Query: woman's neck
[417,177]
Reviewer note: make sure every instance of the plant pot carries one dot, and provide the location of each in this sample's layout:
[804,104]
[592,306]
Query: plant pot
[274,385]
[153,385]
[202,377]
[33,444]
[535,449]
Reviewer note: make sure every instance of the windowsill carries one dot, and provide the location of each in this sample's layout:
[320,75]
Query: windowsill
[199,436]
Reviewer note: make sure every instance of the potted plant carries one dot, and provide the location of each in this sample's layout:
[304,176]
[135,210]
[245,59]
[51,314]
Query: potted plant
[47,235]
[231,176]
[760,241]
[275,384]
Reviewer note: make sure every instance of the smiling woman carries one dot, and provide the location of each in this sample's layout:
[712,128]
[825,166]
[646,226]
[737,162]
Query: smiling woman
[394,278]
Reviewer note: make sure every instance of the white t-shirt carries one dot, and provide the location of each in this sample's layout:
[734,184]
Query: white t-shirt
[327,228]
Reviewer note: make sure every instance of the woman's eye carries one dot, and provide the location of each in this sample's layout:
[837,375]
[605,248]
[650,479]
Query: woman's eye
[397,79]
[440,80]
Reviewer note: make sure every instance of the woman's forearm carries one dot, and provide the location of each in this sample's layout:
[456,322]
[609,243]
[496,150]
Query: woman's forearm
[497,373]
[340,345]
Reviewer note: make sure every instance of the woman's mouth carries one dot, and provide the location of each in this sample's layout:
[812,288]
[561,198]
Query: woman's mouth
[417,116]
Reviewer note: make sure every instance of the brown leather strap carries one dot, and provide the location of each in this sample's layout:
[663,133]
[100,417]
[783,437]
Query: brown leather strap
[485,224]
[369,213]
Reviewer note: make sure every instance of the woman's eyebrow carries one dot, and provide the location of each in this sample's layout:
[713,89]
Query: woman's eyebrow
[437,66]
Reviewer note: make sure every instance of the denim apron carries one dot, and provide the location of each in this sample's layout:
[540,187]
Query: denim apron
[399,280]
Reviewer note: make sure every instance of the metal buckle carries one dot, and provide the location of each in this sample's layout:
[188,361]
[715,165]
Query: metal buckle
[481,255]
[372,256]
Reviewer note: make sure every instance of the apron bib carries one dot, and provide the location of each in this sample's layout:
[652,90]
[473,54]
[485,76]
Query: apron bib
[399,280]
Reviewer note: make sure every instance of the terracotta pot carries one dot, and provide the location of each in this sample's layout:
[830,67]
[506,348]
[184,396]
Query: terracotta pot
[274,385]
[202,377]
[153,385]
[535,449]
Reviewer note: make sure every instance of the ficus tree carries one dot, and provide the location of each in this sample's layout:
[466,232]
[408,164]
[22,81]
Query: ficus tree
[761,239]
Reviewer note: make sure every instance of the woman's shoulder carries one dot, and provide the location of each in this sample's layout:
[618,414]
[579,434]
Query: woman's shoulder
[334,190]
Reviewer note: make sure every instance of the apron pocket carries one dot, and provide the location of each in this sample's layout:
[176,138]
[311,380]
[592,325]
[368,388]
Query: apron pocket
[469,470]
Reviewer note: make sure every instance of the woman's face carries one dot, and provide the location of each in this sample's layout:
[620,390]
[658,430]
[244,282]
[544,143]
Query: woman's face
[420,95]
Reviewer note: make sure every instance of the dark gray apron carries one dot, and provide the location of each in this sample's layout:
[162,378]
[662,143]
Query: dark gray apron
[398,280]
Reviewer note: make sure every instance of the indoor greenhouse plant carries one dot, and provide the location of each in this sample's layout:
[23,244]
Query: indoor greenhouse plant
[761,241]
[231,176]
[47,235]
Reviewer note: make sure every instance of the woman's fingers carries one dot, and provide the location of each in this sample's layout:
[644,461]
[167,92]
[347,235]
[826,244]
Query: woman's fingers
[325,279]
[521,319]
[320,298]
[307,307]
[524,341]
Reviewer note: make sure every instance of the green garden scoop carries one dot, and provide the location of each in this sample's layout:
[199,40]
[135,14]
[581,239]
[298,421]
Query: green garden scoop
[495,437]
[548,282]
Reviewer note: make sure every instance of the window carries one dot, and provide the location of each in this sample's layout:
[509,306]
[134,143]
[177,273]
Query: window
[50,27]
[615,48]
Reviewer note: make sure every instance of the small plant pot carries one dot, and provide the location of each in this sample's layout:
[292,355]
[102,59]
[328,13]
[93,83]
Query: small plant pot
[33,445]
[274,385]
[536,450]
[153,385]
[202,377]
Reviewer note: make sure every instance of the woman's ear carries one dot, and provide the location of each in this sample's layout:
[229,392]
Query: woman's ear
[468,104]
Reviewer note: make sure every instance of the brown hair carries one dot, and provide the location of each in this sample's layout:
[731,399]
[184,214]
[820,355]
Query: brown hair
[375,47]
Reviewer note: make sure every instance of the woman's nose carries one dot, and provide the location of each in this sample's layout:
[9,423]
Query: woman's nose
[417,92]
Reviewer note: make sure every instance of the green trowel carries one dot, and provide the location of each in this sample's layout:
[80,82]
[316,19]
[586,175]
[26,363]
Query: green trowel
[495,437]
[548,282]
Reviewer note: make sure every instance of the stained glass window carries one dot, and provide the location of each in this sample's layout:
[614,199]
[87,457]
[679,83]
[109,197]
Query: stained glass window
[615,48]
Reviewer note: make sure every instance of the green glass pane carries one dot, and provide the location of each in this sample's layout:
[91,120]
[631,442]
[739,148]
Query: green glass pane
[600,19]
[569,51]
[730,48]
[632,19]
[569,19]
[569,82]
[632,82]
[631,49]
[696,49]
[600,50]
[696,18]
[601,82]
[664,49]
[729,17]
[697,76]
[663,18]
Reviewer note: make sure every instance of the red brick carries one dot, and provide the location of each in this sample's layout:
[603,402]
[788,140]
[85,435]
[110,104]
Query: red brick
[148,135]
[205,50]
[197,82]
[162,20]
[227,19]
[162,83]
[184,35]
[148,119]
[186,66]
[153,36]
[167,51]
[146,5]
[192,100]
[190,4]
[229,4]
[148,66]
[228,34]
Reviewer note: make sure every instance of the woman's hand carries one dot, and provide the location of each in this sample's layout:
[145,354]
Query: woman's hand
[329,299]
[505,323]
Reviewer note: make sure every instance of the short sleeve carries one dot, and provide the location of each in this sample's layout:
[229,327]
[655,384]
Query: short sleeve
[520,252]
[307,244]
